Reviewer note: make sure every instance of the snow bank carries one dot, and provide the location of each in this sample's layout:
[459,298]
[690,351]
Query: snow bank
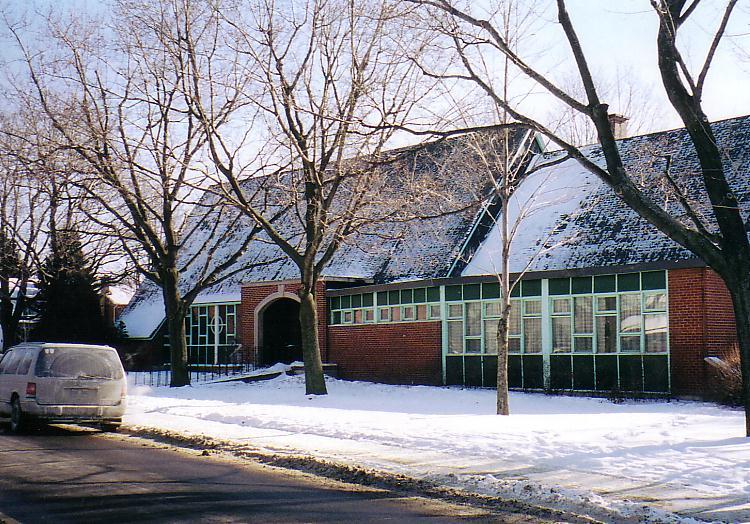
[562,451]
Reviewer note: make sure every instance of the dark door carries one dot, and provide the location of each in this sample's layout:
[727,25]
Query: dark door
[281,332]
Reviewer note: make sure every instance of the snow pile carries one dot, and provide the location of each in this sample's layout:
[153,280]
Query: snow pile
[569,453]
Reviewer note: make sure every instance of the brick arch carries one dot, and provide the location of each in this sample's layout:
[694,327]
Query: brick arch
[258,295]
[262,306]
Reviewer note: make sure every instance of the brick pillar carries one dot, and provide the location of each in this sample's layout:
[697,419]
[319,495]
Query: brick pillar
[701,324]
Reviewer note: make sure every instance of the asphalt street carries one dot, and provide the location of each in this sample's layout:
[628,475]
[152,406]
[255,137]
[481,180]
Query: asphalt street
[69,475]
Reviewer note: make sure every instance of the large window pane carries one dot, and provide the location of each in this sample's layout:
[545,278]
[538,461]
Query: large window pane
[630,313]
[385,314]
[560,305]
[532,307]
[584,315]
[514,319]
[455,336]
[583,344]
[493,309]
[490,336]
[655,301]
[408,313]
[561,334]
[455,311]
[532,331]
[473,319]
[656,332]
[434,311]
[630,343]
[606,303]
[606,334]
[473,345]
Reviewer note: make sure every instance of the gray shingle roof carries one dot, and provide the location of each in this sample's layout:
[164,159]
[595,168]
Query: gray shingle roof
[392,248]
[592,228]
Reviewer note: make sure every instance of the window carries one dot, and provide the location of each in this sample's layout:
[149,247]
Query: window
[455,336]
[630,323]
[491,343]
[405,305]
[606,334]
[408,313]
[395,314]
[493,309]
[583,324]
[656,333]
[561,325]
[10,362]
[435,311]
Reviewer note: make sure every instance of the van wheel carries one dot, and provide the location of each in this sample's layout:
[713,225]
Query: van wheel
[16,416]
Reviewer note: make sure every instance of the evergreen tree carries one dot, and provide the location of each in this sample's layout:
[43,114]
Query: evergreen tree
[69,306]
[10,268]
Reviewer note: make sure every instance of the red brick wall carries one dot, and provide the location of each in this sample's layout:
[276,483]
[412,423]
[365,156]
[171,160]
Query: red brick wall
[253,295]
[408,353]
[701,324]
[721,333]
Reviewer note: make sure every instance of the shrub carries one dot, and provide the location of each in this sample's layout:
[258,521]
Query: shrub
[726,381]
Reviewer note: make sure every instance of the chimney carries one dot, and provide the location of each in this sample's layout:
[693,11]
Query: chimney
[619,125]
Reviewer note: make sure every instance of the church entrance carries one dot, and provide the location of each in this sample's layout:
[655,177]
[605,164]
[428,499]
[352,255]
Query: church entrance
[282,340]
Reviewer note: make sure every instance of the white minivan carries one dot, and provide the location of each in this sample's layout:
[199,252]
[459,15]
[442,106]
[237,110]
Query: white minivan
[52,382]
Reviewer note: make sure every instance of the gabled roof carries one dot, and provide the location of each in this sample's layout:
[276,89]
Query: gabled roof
[391,248]
[577,222]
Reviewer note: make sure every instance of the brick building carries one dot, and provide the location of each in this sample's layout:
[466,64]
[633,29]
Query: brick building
[603,301]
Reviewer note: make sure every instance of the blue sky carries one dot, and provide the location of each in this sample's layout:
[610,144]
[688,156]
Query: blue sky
[617,35]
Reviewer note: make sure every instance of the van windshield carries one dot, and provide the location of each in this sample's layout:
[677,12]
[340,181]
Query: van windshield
[69,362]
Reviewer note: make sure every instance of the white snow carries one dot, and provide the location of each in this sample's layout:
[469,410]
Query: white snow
[585,454]
[120,295]
[145,313]
[534,211]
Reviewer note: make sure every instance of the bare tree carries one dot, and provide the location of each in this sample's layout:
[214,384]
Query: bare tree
[115,96]
[719,239]
[627,97]
[331,89]
[33,207]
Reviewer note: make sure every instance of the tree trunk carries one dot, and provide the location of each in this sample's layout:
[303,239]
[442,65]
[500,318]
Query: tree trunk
[741,301]
[175,312]
[308,318]
[503,403]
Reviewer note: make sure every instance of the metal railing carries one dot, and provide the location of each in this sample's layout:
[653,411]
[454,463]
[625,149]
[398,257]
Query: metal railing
[237,362]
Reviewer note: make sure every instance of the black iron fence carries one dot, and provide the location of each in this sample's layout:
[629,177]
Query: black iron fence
[231,362]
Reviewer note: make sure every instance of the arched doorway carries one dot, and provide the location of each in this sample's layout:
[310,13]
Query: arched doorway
[281,332]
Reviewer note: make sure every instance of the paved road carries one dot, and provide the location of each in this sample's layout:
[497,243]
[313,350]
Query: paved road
[67,475]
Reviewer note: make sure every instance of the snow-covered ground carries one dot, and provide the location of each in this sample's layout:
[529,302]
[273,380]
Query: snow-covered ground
[633,459]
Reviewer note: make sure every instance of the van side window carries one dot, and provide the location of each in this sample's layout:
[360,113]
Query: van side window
[25,364]
[10,362]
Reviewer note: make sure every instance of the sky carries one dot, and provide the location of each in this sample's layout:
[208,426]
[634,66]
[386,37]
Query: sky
[622,34]
[619,38]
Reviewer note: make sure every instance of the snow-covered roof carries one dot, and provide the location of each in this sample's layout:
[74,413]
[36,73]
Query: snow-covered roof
[389,248]
[120,295]
[569,219]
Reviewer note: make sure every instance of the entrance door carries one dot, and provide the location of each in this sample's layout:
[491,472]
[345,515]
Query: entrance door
[281,332]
